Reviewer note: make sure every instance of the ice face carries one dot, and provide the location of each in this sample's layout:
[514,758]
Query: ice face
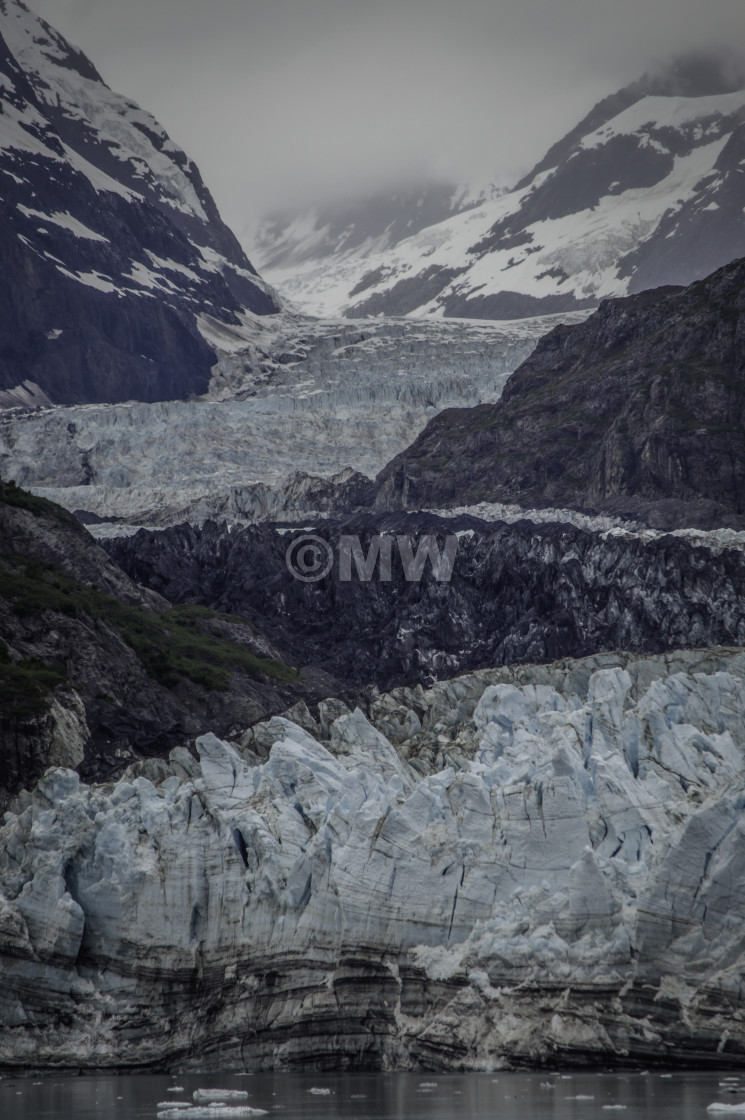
[586,834]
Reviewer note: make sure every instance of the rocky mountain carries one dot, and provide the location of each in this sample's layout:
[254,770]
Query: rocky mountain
[564,892]
[96,671]
[115,267]
[645,191]
[520,592]
[638,412]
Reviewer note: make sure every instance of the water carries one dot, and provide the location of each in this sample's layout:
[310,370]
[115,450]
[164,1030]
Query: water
[473,1096]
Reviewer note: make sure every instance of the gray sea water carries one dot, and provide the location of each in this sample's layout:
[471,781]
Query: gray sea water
[388,1096]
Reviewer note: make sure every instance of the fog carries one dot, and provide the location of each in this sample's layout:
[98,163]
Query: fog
[287,102]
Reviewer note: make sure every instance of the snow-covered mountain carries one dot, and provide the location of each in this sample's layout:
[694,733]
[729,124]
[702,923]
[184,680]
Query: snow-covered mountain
[112,251]
[358,228]
[646,190]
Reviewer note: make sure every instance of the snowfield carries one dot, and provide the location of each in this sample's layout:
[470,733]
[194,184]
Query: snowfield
[584,229]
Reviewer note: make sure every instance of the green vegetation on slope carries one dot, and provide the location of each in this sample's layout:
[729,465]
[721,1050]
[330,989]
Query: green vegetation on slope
[13,495]
[180,643]
[25,687]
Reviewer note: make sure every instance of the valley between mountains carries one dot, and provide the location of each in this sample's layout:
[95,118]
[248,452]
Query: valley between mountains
[476,821]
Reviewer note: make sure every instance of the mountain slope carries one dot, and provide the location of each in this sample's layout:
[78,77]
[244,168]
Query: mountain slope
[111,247]
[286,239]
[645,191]
[96,671]
[640,411]
[301,249]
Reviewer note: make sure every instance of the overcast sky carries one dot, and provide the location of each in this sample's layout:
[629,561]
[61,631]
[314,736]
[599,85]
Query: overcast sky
[285,101]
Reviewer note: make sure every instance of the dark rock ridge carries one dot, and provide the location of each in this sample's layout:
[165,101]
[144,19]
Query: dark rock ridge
[638,411]
[518,593]
[111,246]
[96,672]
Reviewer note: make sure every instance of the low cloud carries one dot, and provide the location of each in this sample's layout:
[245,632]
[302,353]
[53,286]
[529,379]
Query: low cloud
[305,100]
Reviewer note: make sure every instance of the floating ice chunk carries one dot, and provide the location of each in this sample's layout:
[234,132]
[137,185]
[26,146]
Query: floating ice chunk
[203,1095]
[208,1111]
[717,1106]
[613,1107]
[320,1092]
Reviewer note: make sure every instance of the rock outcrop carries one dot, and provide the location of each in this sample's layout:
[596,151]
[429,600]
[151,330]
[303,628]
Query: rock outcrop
[638,411]
[535,865]
[518,592]
[96,671]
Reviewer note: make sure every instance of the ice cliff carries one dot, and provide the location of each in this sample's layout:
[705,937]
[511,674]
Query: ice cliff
[535,864]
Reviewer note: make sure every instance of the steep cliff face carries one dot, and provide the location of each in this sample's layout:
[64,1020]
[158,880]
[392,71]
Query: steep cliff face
[520,592]
[96,671]
[111,247]
[638,410]
[540,870]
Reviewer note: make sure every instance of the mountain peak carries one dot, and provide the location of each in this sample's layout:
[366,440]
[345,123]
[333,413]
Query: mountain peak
[112,250]
[694,74]
[27,34]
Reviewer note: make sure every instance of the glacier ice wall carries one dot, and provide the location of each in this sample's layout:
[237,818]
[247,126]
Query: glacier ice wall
[533,864]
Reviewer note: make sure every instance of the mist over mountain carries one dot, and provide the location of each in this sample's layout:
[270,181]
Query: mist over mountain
[644,191]
[361,226]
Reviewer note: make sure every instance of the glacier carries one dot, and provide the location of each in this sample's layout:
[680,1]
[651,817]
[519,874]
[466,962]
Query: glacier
[287,398]
[524,865]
